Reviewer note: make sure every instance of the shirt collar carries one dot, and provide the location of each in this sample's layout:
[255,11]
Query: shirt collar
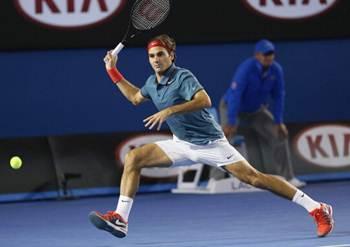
[168,75]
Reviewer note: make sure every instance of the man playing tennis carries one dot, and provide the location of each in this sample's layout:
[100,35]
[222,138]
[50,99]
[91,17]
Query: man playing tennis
[182,103]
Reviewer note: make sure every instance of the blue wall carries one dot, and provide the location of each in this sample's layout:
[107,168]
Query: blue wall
[68,91]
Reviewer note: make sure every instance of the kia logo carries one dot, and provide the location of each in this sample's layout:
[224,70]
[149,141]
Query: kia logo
[138,141]
[69,13]
[290,9]
[325,145]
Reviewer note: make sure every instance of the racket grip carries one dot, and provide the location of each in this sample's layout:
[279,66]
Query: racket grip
[116,50]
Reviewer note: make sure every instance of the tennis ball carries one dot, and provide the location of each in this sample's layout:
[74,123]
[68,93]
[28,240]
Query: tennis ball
[16,162]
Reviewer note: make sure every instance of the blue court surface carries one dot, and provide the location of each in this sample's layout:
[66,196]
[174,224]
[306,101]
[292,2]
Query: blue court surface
[164,219]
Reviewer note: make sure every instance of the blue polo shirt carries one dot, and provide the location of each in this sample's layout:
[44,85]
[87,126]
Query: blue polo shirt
[178,86]
[252,87]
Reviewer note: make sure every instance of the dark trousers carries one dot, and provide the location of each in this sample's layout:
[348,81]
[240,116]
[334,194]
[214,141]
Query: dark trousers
[275,151]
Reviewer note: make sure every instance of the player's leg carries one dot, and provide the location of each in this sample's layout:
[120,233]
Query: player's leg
[322,213]
[248,174]
[215,173]
[116,222]
[149,155]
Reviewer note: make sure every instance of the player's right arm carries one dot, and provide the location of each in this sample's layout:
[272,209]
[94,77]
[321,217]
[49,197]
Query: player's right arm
[129,90]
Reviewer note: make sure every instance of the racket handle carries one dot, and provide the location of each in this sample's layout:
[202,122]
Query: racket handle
[116,50]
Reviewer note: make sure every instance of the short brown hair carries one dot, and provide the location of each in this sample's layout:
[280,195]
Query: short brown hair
[167,41]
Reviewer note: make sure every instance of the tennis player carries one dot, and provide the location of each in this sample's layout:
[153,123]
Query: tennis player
[197,138]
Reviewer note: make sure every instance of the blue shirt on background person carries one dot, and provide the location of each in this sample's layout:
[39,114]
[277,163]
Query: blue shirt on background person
[256,82]
[253,85]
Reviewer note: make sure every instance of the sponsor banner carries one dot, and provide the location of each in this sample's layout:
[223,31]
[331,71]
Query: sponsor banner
[70,13]
[43,24]
[291,9]
[315,148]
[326,146]
[96,160]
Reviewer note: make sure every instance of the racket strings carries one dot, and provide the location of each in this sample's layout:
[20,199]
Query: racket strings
[147,14]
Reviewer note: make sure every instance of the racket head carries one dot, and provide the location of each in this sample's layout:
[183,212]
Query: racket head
[148,14]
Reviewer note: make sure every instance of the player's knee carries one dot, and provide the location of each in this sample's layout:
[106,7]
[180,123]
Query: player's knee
[132,160]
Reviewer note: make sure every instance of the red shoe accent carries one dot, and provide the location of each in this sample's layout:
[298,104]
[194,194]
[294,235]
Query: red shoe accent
[323,217]
[112,216]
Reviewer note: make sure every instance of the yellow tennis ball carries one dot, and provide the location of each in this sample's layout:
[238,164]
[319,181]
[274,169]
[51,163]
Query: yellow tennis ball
[16,162]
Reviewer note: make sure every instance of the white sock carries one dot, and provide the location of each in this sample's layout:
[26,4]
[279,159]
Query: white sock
[305,201]
[124,207]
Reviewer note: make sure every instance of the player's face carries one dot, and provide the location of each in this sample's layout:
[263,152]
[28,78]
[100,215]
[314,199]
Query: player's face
[265,60]
[160,59]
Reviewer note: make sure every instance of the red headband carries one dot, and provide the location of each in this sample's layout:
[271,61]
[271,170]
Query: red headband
[157,42]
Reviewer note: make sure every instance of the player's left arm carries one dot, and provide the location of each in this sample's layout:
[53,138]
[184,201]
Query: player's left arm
[199,101]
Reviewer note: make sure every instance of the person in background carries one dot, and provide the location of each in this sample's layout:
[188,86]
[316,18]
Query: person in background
[256,81]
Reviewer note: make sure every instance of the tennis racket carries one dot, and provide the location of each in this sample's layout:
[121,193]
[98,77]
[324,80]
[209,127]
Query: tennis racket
[145,15]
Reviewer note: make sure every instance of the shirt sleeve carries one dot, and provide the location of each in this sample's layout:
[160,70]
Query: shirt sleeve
[145,89]
[234,93]
[144,92]
[278,96]
[189,85]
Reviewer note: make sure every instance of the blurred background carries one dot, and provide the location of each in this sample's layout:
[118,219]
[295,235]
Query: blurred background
[66,120]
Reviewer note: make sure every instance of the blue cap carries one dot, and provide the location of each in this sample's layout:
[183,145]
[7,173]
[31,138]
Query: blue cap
[264,46]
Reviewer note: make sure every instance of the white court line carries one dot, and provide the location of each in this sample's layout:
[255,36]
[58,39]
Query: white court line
[339,245]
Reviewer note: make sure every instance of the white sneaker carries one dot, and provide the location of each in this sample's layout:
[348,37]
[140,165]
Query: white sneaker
[296,182]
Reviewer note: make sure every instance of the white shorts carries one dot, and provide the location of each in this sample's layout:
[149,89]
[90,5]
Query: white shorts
[217,153]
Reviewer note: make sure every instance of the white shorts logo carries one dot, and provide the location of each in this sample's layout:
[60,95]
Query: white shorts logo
[69,13]
[290,9]
[325,145]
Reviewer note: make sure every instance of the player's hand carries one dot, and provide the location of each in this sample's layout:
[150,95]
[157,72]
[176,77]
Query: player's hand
[281,130]
[230,131]
[157,119]
[110,60]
